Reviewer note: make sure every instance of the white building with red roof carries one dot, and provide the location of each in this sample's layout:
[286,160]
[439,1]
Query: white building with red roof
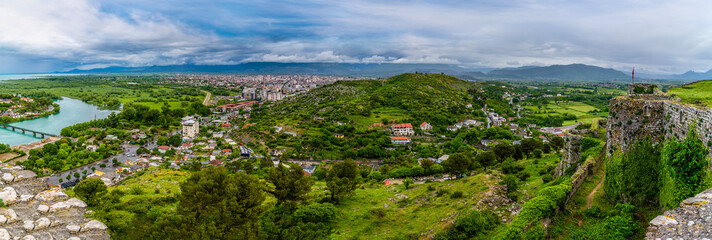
[402,129]
[400,140]
[425,126]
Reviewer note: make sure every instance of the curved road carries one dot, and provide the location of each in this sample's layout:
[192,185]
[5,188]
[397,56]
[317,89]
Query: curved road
[206,102]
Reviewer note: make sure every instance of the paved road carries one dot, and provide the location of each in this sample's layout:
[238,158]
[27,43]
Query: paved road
[206,102]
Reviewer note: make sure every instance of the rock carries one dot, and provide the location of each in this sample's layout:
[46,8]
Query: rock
[93,225]
[51,195]
[28,225]
[43,208]
[24,174]
[693,201]
[28,237]
[73,228]
[9,213]
[26,198]
[74,202]
[73,238]
[662,220]
[42,223]
[4,234]
[3,219]
[8,195]
[7,177]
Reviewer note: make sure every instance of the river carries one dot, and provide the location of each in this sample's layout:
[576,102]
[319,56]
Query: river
[71,111]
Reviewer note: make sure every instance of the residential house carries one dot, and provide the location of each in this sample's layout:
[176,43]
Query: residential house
[400,140]
[452,128]
[163,149]
[92,148]
[246,152]
[402,129]
[425,126]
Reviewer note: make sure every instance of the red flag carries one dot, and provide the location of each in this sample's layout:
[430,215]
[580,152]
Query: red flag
[632,75]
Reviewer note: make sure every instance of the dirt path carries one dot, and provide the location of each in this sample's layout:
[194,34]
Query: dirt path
[206,102]
[589,198]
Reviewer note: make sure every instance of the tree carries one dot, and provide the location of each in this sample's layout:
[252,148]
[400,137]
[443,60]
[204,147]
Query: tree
[91,191]
[684,164]
[76,174]
[458,163]
[217,205]
[290,185]
[342,179]
[503,151]
[557,142]
[175,140]
[486,159]
[529,144]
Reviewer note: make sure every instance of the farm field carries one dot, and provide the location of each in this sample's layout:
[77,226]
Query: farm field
[579,109]
[377,115]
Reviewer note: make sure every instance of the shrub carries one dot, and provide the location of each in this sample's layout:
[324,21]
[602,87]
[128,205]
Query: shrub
[523,176]
[456,194]
[441,192]
[509,166]
[547,178]
[511,183]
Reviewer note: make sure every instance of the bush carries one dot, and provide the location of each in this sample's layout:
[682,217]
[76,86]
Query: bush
[441,192]
[537,208]
[472,225]
[456,194]
[523,176]
[509,166]
[511,183]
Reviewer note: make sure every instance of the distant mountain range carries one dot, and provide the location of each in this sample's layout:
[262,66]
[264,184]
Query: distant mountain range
[572,72]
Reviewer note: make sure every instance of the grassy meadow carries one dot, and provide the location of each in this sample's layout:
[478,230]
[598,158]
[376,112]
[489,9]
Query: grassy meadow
[697,92]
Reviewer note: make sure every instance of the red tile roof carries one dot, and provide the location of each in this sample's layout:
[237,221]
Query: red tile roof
[423,124]
[403,125]
[399,138]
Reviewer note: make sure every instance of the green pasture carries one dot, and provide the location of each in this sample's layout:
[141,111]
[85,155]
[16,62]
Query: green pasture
[700,91]
[578,109]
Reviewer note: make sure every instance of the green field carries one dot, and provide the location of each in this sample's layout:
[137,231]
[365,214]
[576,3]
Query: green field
[700,91]
[378,114]
[579,109]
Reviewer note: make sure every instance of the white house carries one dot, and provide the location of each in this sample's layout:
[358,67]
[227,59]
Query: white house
[425,126]
[400,140]
[402,129]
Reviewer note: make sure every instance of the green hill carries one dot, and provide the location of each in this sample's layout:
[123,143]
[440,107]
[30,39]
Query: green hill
[435,98]
[697,92]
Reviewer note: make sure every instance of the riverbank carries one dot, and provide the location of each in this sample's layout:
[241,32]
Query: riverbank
[51,110]
[73,111]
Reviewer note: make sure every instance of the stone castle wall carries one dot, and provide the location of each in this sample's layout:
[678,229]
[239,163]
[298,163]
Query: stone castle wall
[571,155]
[661,117]
[656,116]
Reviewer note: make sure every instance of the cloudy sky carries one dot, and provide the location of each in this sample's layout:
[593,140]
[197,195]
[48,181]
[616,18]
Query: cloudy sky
[652,36]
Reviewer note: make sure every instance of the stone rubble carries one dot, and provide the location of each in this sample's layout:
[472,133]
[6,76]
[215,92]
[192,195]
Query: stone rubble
[34,210]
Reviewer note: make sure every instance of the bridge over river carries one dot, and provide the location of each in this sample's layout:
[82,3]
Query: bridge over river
[28,131]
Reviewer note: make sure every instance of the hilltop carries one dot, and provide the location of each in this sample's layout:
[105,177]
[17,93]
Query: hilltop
[577,72]
[436,98]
